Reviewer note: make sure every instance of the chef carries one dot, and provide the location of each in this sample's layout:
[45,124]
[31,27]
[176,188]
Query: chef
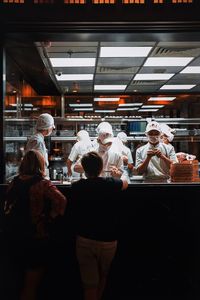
[81,147]
[153,160]
[112,161]
[126,152]
[44,127]
[166,134]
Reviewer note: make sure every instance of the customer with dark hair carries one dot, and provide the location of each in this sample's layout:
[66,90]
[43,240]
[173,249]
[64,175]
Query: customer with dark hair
[95,212]
[32,205]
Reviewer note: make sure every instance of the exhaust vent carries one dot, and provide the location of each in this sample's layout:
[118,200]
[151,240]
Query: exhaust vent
[173,52]
[117,70]
[148,82]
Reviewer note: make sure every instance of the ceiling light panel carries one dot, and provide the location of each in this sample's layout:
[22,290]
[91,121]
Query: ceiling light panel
[106,99]
[147,110]
[81,105]
[73,62]
[127,108]
[167,61]
[152,106]
[124,51]
[109,87]
[177,86]
[153,76]
[191,70]
[161,98]
[83,109]
[103,111]
[72,77]
[131,104]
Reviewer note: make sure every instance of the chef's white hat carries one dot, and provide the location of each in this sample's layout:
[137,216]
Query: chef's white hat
[44,122]
[104,126]
[122,136]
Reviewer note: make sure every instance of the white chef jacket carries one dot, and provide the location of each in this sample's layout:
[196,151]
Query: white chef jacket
[157,168]
[126,151]
[36,142]
[79,149]
[110,159]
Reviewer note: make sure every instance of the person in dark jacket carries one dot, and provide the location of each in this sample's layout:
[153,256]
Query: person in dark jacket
[32,205]
[95,213]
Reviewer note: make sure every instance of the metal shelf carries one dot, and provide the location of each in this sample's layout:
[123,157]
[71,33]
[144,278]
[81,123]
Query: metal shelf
[174,121]
[15,138]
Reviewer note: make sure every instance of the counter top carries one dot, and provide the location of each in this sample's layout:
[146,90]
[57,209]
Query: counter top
[134,183]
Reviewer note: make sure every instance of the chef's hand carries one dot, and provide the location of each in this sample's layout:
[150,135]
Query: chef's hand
[69,173]
[150,153]
[115,172]
[125,159]
[158,153]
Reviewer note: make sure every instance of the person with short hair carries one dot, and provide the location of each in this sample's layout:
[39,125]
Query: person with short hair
[32,205]
[44,127]
[153,160]
[95,213]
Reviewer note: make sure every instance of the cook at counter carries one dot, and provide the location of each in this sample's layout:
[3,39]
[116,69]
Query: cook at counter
[81,147]
[44,127]
[112,161]
[153,160]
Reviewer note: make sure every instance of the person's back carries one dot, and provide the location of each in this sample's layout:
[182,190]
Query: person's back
[31,206]
[95,213]
[94,203]
[18,225]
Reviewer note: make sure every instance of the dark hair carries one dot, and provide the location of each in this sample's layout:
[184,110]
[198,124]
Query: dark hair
[33,163]
[92,164]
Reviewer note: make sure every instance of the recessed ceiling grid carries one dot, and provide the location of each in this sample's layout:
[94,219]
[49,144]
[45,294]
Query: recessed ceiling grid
[111,68]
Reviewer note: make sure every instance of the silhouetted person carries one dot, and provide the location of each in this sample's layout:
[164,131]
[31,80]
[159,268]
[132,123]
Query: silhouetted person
[95,213]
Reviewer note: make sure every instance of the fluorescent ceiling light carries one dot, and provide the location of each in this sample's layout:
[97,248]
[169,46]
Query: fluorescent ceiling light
[83,109]
[130,104]
[10,111]
[109,87]
[72,77]
[161,98]
[191,70]
[73,62]
[152,106]
[81,105]
[106,99]
[128,108]
[167,61]
[152,109]
[153,76]
[177,86]
[22,104]
[102,111]
[124,51]
[27,104]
